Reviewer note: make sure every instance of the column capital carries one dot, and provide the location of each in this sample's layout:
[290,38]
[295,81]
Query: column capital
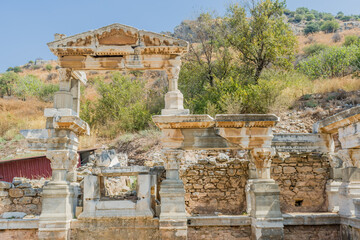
[260,159]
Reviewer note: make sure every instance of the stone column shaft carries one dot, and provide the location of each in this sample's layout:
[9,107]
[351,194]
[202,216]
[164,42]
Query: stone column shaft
[173,220]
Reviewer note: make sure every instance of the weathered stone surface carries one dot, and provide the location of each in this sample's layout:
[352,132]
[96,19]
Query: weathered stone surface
[5,185]
[4,193]
[14,234]
[29,192]
[13,215]
[312,232]
[302,190]
[16,192]
[214,186]
[220,232]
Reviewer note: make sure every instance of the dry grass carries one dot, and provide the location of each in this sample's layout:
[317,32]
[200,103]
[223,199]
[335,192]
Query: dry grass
[347,83]
[16,115]
[325,38]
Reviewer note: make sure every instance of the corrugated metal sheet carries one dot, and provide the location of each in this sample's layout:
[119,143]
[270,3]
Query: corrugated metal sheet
[31,168]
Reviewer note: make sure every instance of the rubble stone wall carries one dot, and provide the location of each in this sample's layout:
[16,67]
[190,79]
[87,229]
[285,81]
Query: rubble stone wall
[14,234]
[125,228]
[302,181]
[220,232]
[320,232]
[22,195]
[214,182]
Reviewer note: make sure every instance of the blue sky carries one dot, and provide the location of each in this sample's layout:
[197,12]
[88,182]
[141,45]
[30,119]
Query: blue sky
[26,26]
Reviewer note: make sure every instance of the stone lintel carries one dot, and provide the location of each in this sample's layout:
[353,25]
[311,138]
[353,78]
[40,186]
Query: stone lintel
[300,143]
[123,171]
[183,121]
[245,120]
[339,120]
[223,220]
[326,218]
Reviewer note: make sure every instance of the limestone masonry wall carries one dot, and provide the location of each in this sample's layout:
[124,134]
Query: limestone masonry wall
[14,234]
[220,232]
[320,232]
[214,182]
[302,181]
[22,195]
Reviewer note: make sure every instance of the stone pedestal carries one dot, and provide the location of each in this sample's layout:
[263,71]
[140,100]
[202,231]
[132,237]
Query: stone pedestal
[267,221]
[332,189]
[59,202]
[349,190]
[173,221]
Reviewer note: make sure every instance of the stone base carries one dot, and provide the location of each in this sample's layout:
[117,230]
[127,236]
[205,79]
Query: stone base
[175,112]
[173,229]
[348,191]
[173,220]
[332,190]
[54,230]
[264,196]
[57,210]
[267,229]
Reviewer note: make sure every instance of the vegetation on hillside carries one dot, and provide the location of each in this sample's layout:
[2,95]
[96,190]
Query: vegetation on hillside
[243,62]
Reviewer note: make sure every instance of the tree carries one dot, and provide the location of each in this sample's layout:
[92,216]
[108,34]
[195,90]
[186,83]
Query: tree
[309,17]
[7,82]
[312,27]
[330,26]
[298,18]
[263,38]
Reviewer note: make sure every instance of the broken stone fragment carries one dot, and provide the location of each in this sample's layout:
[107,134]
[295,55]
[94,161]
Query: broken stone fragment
[107,158]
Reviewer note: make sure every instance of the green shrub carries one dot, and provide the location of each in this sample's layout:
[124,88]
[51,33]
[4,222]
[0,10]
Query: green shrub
[331,62]
[312,27]
[351,39]
[309,17]
[17,69]
[48,67]
[121,106]
[31,86]
[314,49]
[330,26]
[328,17]
[298,18]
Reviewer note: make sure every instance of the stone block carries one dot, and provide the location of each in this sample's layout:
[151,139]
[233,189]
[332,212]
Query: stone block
[91,187]
[29,192]
[8,215]
[289,170]
[5,185]
[36,200]
[4,193]
[5,201]
[24,185]
[25,200]
[16,192]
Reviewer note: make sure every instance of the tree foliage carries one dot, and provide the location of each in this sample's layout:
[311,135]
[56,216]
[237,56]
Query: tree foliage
[263,38]
[121,106]
[7,83]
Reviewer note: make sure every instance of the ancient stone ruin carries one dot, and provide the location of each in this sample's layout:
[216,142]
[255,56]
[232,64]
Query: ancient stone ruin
[227,177]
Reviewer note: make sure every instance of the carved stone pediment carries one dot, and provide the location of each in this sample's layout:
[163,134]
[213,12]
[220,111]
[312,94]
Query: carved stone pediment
[116,39]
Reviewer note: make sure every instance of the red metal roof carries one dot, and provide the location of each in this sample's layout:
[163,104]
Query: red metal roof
[29,167]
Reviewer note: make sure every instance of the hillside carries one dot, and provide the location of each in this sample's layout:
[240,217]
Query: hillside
[299,107]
